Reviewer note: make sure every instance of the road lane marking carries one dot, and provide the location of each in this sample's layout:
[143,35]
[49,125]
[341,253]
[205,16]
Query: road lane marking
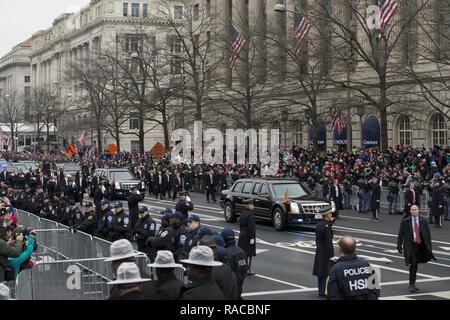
[356,218]
[280,281]
[265,293]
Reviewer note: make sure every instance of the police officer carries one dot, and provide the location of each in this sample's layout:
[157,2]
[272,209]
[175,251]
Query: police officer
[120,225]
[75,214]
[350,277]
[236,257]
[180,237]
[104,218]
[247,236]
[324,250]
[46,211]
[99,194]
[89,223]
[162,239]
[145,228]
[133,205]
[193,227]
[184,205]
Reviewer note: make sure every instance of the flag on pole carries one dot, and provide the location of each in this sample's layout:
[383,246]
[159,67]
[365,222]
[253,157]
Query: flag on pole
[82,139]
[338,122]
[302,29]
[286,197]
[237,43]
[387,12]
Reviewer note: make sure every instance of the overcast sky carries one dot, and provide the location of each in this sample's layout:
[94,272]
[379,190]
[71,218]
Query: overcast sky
[19,19]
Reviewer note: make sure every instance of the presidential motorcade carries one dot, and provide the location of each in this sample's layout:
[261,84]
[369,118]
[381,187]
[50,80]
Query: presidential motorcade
[284,202]
[121,182]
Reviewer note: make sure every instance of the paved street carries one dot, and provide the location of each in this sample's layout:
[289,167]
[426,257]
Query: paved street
[285,260]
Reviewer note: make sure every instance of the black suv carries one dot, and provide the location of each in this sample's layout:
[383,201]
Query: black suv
[301,207]
[120,180]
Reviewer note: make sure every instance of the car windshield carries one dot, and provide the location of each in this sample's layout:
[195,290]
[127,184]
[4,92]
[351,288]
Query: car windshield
[72,167]
[121,175]
[29,165]
[294,190]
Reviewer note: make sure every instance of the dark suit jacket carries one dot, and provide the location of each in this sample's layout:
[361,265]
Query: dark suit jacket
[333,194]
[375,196]
[208,184]
[405,240]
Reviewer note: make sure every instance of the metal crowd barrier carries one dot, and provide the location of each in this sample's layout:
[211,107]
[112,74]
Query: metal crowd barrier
[58,249]
[384,203]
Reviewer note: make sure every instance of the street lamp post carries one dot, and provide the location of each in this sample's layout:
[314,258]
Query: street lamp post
[361,110]
[284,119]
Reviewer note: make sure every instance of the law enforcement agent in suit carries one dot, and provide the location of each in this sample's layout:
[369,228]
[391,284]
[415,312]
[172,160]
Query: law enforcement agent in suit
[247,236]
[412,197]
[437,204]
[324,250]
[167,287]
[375,196]
[349,278]
[414,241]
[184,205]
[336,197]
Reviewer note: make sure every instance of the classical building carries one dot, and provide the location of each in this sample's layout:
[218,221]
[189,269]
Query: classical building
[75,37]
[412,119]
[15,73]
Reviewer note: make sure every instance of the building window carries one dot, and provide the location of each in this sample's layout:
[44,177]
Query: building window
[27,79]
[134,121]
[144,9]
[135,146]
[404,130]
[196,11]
[135,9]
[178,12]
[208,8]
[438,130]
[298,133]
[125,9]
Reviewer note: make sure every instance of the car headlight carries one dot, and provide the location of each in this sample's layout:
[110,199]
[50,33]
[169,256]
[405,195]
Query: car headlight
[294,208]
[117,185]
[142,185]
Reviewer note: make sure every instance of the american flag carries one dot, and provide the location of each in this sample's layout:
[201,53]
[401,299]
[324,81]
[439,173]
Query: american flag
[83,138]
[338,122]
[387,12]
[301,30]
[237,43]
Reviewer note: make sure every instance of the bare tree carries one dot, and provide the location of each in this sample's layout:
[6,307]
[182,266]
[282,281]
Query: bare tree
[46,110]
[88,76]
[193,50]
[376,53]
[12,111]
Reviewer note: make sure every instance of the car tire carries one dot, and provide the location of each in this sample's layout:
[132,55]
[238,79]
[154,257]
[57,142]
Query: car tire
[279,220]
[228,211]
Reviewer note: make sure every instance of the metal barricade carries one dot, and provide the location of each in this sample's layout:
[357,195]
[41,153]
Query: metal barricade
[74,256]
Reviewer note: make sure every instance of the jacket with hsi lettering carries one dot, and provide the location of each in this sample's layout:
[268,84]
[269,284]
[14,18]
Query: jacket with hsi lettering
[349,280]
